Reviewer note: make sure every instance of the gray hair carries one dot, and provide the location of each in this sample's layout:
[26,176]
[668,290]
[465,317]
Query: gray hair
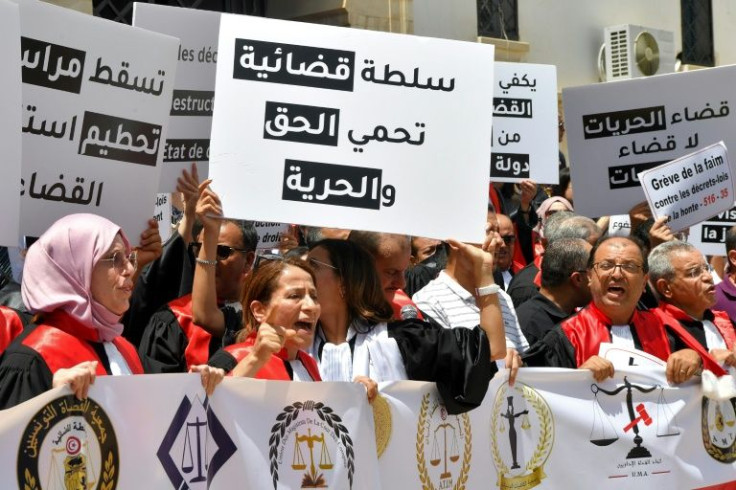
[660,265]
[561,258]
[571,226]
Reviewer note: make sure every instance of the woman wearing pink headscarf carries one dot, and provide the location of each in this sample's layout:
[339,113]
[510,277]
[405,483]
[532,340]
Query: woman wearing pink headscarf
[77,280]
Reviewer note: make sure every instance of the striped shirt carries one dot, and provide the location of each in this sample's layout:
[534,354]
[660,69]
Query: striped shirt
[453,306]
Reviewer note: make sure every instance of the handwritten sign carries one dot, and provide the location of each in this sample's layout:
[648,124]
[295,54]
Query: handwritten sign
[188,138]
[692,188]
[96,98]
[346,128]
[525,135]
[617,130]
[710,235]
[10,121]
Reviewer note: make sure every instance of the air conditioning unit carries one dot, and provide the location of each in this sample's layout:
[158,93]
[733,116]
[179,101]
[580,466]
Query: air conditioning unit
[631,51]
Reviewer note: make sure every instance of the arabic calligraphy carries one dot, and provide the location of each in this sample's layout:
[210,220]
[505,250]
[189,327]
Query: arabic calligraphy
[510,165]
[623,176]
[507,138]
[292,64]
[706,113]
[624,122]
[506,107]
[397,78]
[51,65]
[104,75]
[339,185]
[50,131]
[381,134]
[522,82]
[116,138]
[58,191]
[301,123]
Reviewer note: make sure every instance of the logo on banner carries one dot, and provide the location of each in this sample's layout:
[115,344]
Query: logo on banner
[445,442]
[69,444]
[311,438]
[645,420]
[195,447]
[719,429]
[382,423]
[522,436]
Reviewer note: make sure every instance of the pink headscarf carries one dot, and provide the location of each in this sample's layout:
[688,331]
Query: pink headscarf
[544,209]
[57,274]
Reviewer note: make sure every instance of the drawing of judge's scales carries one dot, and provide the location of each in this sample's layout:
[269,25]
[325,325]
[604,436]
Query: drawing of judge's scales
[311,479]
[603,432]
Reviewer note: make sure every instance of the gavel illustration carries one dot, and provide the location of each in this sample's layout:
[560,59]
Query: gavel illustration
[643,417]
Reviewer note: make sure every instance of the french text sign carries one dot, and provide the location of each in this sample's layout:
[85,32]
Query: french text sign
[616,130]
[710,235]
[352,129]
[188,138]
[96,98]
[692,188]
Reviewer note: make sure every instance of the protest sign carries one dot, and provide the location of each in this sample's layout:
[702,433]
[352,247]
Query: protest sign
[525,135]
[96,98]
[10,108]
[633,430]
[619,225]
[269,234]
[616,130]
[710,235]
[162,215]
[692,188]
[353,129]
[188,137]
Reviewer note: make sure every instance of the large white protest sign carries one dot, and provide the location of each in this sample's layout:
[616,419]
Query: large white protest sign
[162,215]
[710,235]
[525,135]
[555,428]
[188,137]
[352,129]
[692,188]
[616,130]
[96,98]
[10,121]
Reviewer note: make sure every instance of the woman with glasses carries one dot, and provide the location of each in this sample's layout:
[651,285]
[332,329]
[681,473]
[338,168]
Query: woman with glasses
[77,281]
[356,338]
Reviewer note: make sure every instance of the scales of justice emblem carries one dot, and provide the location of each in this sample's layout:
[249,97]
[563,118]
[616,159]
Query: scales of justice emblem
[311,478]
[603,432]
[522,436]
[718,422]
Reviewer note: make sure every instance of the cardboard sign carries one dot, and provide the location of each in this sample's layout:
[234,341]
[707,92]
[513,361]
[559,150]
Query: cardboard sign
[96,98]
[525,142]
[10,121]
[345,128]
[188,138]
[692,188]
[616,130]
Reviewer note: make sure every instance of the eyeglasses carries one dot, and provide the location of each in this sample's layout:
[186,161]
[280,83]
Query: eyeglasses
[698,271]
[509,239]
[120,261]
[262,259]
[223,251]
[608,267]
[319,264]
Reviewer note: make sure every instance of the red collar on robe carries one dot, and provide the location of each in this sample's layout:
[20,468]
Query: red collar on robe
[197,350]
[63,342]
[588,328]
[275,367]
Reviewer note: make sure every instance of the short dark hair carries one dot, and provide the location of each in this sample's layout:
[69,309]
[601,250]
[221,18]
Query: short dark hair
[635,241]
[248,234]
[731,239]
[372,240]
[561,258]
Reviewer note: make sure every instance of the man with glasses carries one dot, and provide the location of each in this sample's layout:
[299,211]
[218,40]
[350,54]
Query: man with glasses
[617,271]
[174,337]
[684,284]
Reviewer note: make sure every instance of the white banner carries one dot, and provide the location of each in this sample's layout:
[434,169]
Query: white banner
[616,130]
[554,429]
[188,137]
[10,108]
[692,188]
[328,126]
[96,98]
[525,141]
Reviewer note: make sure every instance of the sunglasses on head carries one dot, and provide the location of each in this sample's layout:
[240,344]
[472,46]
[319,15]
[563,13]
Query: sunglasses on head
[223,251]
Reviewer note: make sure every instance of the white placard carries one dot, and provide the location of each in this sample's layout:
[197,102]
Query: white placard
[96,98]
[619,225]
[162,215]
[710,235]
[269,234]
[692,188]
[616,130]
[10,121]
[353,129]
[525,141]
[188,137]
